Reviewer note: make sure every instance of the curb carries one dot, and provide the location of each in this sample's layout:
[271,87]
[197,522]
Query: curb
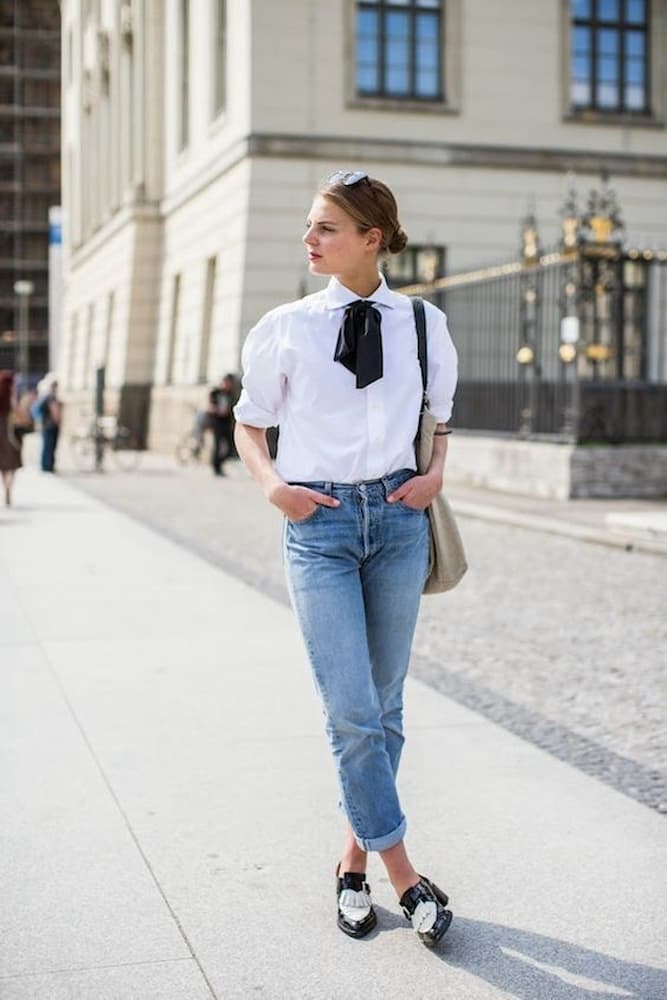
[536,522]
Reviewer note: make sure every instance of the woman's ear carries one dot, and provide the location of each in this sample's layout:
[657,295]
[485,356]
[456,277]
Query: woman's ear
[374,239]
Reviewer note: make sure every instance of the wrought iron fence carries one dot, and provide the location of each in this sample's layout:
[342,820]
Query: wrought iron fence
[573,346]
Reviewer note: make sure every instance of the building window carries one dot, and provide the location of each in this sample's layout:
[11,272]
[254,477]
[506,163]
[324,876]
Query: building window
[7,89]
[105,349]
[417,264]
[609,47]
[219,55]
[399,49]
[184,118]
[207,320]
[73,345]
[6,246]
[7,53]
[88,355]
[173,329]
[41,54]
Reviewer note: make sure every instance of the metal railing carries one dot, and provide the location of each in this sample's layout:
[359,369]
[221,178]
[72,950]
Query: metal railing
[572,346]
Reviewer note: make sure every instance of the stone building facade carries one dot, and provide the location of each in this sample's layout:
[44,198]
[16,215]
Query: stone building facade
[195,131]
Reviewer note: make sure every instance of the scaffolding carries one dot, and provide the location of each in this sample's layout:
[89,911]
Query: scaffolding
[29,168]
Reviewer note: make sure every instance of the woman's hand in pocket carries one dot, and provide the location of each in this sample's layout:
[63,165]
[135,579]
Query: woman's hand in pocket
[417,492]
[298,503]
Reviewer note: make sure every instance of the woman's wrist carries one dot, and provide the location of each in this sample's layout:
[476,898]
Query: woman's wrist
[435,478]
[274,490]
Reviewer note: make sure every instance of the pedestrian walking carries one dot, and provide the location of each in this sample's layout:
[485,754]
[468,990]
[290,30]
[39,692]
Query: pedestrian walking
[50,412]
[10,440]
[220,402]
[338,372]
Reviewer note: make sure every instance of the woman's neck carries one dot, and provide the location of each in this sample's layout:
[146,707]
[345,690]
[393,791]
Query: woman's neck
[362,285]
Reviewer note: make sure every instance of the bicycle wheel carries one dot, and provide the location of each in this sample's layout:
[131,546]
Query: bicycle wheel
[123,448]
[82,450]
[188,450]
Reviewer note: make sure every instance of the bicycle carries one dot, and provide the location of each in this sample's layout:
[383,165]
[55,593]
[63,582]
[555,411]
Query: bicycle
[190,448]
[90,442]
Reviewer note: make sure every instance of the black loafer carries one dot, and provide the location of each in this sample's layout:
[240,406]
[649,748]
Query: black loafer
[424,905]
[356,916]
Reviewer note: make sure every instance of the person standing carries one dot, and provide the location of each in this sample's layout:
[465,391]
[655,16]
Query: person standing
[338,372]
[220,400]
[51,410]
[10,443]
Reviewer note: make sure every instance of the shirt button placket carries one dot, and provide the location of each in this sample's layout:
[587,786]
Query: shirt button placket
[375,425]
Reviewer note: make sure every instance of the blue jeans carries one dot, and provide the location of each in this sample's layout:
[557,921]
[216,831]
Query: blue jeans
[355,575]
[49,443]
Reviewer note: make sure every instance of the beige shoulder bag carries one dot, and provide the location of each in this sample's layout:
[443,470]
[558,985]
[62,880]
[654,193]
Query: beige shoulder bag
[447,558]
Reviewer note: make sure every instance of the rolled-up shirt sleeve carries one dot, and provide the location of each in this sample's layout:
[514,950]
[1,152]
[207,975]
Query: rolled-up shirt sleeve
[264,381]
[442,365]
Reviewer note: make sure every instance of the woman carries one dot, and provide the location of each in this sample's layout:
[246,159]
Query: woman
[338,371]
[10,443]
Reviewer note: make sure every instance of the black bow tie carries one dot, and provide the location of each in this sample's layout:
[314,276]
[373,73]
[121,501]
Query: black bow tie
[359,345]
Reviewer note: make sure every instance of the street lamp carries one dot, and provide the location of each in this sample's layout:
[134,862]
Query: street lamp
[24,290]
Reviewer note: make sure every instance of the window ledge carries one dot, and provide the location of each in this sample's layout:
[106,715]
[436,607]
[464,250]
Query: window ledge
[403,104]
[218,122]
[591,117]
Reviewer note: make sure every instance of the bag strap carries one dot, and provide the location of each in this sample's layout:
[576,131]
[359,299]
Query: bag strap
[420,324]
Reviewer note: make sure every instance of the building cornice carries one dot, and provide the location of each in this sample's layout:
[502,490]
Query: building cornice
[122,218]
[355,150]
[214,168]
[348,150]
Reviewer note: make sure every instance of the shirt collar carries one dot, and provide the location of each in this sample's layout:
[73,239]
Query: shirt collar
[337,296]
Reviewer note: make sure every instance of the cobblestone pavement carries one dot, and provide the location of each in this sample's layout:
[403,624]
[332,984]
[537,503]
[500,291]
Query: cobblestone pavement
[558,640]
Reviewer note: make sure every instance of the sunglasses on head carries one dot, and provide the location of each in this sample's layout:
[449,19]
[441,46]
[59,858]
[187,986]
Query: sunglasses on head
[347,177]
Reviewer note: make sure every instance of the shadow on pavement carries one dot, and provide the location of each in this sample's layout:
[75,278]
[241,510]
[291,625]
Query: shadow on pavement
[528,966]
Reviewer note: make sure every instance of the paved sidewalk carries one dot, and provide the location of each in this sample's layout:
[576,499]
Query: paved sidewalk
[622,524]
[169,820]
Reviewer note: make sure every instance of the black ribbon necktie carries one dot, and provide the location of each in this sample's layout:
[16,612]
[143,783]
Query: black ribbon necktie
[359,345]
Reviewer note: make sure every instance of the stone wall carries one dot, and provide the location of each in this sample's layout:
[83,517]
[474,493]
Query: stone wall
[557,471]
[619,471]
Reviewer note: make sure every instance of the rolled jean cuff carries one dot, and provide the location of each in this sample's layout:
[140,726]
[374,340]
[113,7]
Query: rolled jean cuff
[383,843]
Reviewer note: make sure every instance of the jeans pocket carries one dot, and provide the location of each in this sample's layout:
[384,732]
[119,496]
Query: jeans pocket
[307,520]
[413,510]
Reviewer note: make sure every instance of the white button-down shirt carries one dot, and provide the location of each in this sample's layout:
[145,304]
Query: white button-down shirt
[329,429]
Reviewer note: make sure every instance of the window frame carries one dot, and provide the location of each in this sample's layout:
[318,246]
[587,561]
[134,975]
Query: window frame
[219,50]
[654,112]
[448,100]
[184,68]
[409,9]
